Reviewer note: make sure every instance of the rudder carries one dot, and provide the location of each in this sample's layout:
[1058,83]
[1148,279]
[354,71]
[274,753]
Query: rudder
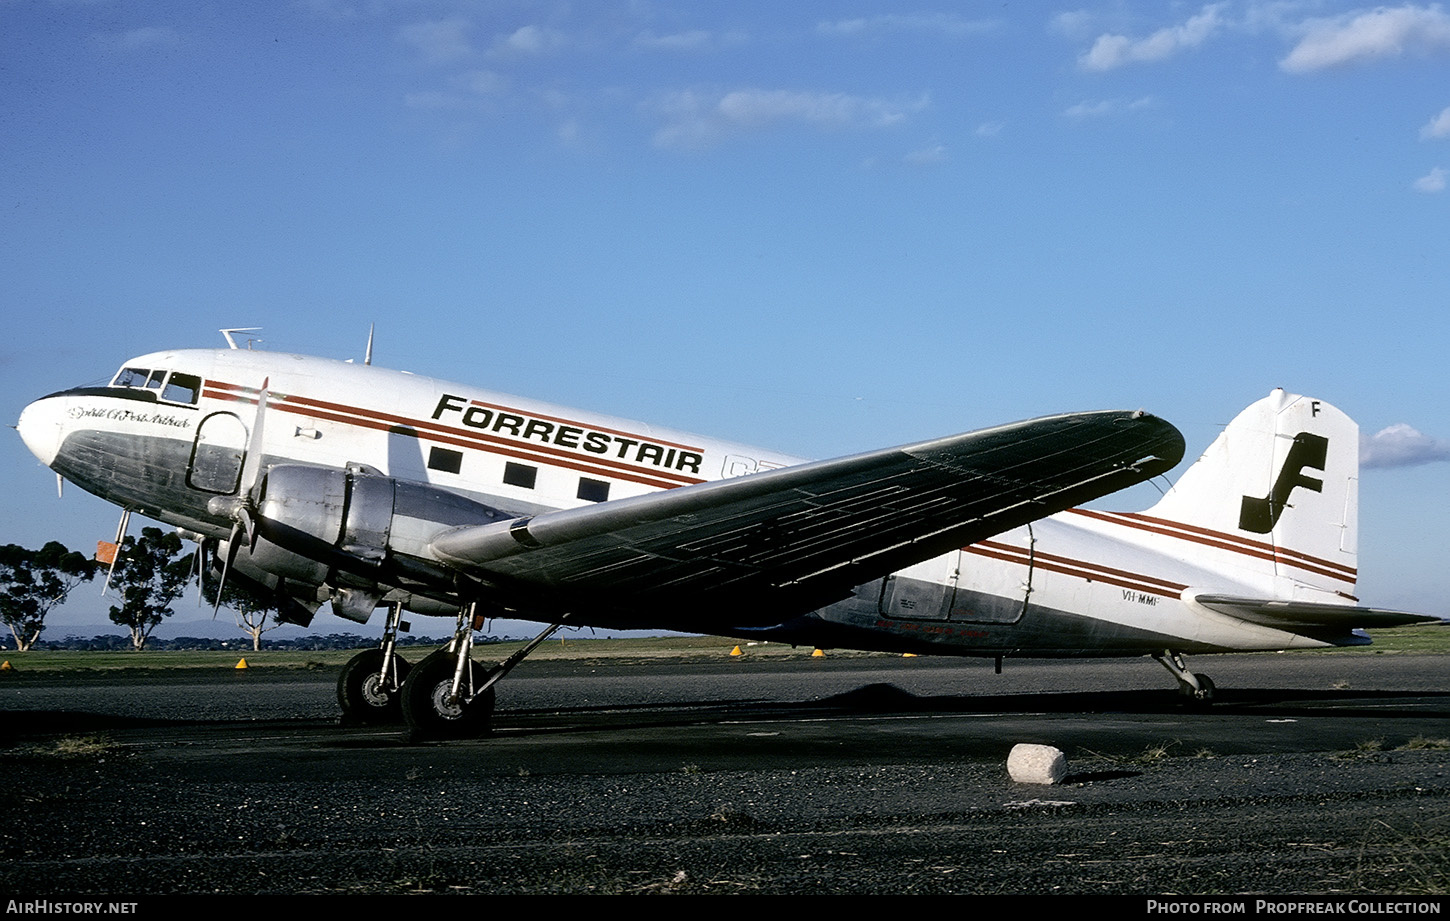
[1279,490]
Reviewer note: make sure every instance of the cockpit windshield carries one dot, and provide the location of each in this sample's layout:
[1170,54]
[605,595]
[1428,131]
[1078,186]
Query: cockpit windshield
[170,386]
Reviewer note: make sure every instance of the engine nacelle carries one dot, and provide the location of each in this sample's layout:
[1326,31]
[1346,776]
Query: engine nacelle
[354,528]
[308,515]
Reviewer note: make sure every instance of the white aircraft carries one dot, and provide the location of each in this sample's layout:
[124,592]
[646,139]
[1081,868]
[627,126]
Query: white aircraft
[319,480]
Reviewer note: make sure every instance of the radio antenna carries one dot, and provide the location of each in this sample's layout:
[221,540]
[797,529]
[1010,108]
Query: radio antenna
[232,343]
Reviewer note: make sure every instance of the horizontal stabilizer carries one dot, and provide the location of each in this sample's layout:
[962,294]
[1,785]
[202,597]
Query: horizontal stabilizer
[1301,616]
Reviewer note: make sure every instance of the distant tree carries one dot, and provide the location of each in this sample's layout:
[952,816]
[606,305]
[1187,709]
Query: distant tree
[151,573]
[250,601]
[34,581]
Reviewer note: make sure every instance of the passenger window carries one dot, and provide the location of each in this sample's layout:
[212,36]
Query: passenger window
[182,388]
[520,475]
[445,460]
[593,490]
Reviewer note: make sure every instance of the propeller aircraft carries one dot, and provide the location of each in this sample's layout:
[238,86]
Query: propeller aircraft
[327,482]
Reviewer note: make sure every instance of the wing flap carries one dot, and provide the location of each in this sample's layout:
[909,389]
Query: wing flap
[816,530]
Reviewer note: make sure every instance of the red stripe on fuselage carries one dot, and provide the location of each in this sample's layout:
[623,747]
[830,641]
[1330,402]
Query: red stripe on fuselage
[1224,541]
[433,431]
[1091,572]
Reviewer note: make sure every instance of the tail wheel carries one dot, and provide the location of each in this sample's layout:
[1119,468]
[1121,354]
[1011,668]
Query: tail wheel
[364,692]
[1201,695]
[428,709]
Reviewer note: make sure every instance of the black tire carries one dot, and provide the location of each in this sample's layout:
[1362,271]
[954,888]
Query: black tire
[363,695]
[425,707]
[1201,697]
[1205,689]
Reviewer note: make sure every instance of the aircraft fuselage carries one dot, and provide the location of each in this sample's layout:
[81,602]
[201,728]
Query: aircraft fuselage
[169,438]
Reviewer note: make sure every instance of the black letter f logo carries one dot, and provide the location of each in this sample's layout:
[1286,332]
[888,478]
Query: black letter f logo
[1260,515]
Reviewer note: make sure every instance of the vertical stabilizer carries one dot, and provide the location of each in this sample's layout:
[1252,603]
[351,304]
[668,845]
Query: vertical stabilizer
[1277,494]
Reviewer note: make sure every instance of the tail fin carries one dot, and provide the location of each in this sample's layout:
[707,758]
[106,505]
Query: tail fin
[1277,497]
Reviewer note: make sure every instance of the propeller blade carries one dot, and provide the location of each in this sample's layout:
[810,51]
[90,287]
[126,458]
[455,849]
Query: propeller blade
[199,560]
[241,506]
[252,466]
[227,566]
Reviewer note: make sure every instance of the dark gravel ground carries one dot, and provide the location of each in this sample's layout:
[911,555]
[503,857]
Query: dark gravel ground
[1292,824]
[896,795]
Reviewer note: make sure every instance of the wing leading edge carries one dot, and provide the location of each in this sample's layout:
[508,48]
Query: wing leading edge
[756,548]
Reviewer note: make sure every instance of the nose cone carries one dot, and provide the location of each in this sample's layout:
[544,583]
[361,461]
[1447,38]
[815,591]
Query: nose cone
[39,428]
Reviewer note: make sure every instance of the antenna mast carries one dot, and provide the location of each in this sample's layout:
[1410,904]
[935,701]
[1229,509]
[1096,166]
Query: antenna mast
[232,343]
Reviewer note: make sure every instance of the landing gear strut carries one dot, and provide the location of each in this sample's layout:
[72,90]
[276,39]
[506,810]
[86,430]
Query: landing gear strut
[1198,688]
[450,696]
[370,686]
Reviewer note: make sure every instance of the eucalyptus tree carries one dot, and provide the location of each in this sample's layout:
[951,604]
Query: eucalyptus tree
[34,581]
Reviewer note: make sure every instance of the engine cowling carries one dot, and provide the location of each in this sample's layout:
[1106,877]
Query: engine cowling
[354,530]
[308,516]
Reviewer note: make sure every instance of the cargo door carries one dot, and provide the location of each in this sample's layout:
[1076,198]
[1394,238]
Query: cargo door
[994,584]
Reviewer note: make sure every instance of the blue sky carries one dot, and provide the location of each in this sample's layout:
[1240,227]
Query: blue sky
[822,227]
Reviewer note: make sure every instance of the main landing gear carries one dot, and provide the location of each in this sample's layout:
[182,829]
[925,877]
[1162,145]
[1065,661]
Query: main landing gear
[370,687]
[1197,688]
[439,703]
[450,696]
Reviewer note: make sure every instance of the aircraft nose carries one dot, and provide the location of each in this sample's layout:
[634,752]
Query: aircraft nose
[39,427]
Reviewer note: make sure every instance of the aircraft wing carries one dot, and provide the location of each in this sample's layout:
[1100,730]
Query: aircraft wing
[753,548]
[1310,617]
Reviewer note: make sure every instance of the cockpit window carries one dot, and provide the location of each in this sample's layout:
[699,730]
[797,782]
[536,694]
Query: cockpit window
[132,377]
[181,388]
[174,387]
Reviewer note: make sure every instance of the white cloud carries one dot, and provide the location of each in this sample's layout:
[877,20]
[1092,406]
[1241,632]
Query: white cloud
[1432,182]
[532,40]
[1365,36]
[1401,446]
[439,41]
[482,83]
[1113,51]
[679,41]
[940,23]
[1106,108]
[927,156]
[1438,127]
[570,132]
[695,119]
[1076,24]
[475,91]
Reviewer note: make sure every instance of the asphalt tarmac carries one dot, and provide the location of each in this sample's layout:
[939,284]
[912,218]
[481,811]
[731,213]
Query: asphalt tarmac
[1319,773]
